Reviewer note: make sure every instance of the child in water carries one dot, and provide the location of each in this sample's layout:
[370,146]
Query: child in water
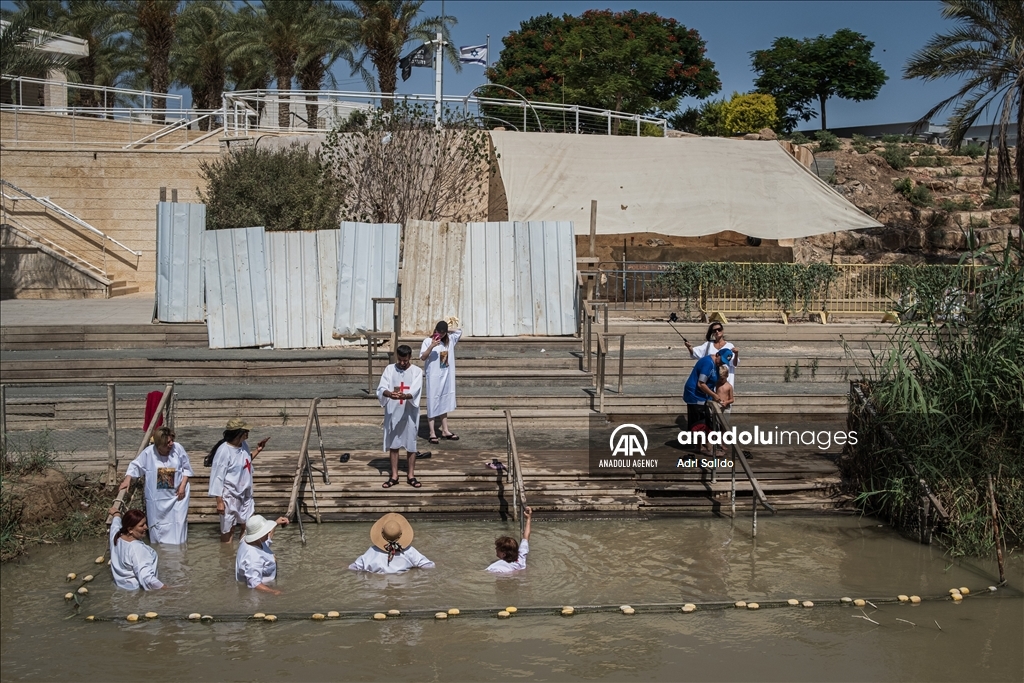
[724,389]
[512,553]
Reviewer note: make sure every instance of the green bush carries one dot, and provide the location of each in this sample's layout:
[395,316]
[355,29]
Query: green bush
[896,139]
[281,189]
[750,113]
[711,118]
[827,141]
[861,144]
[918,195]
[964,204]
[972,150]
[1001,201]
[798,138]
[896,156]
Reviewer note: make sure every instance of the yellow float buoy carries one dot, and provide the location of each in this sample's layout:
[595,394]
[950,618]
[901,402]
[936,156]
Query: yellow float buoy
[394,613]
[957,597]
[72,576]
[964,590]
[689,607]
[318,617]
[333,615]
[100,559]
[807,603]
[628,610]
[87,578]
[503,614]
[953,591]
[69,596]
[511,610]
[846,601]
[454,611]
[568,611]
[132,617]
[151,615]
[992,589]
[859,603]
[195,616]
[915,599]
[753,605]
[83,590]
[207,617]
[741,605]
[440,615]
[270,617]
[258,615]
[902,598]
[793,602]
[380,616]
[90,618]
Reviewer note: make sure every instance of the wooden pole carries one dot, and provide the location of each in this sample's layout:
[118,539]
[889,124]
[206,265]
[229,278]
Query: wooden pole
[3,417]
[995,529]
[111,435]
[593,228]
[300,465]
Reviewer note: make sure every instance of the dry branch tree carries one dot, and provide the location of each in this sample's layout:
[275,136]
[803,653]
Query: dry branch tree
[398,166]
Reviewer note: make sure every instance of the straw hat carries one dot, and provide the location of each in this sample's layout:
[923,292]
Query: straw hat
[256,527]
[391,527]
[237,423]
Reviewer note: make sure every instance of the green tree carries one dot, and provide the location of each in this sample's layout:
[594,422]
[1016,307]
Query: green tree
[636,62]
[799,72]
[986,52]
[150,26]
[384,27]
[750,113]
[20,53]
[199,55]
[319,50]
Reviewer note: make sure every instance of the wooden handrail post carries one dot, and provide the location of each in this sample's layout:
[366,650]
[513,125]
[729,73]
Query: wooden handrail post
[3,417]
[111,435]
[168,390]
[300,465]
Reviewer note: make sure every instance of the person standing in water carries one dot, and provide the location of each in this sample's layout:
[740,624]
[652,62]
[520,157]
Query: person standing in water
[512,553]
[231,476]
[165,466]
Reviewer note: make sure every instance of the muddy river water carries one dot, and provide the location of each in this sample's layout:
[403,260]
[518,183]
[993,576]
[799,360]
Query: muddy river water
[579,563]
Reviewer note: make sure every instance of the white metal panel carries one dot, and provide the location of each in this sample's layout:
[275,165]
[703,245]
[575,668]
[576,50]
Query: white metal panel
[238,308]
[432,274]
[327,245]
[546,268]
[367,268]
[180,297]
[489,285]
[293,284]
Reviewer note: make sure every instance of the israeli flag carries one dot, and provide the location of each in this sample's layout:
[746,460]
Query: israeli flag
[473,54]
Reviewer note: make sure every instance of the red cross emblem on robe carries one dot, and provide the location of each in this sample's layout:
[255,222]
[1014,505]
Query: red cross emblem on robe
[401,389]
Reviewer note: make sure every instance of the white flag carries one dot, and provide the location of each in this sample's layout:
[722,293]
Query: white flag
[473,54]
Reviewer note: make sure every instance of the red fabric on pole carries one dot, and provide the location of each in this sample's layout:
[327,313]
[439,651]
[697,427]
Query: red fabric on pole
[152,401]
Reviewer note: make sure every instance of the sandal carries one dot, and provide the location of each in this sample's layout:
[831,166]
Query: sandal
[389,483]
[414,482]
[450,437]
[434,439]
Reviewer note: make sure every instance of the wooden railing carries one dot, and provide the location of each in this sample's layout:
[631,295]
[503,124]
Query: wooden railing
[304,470]
[514,474]
[602,363]
[720,422]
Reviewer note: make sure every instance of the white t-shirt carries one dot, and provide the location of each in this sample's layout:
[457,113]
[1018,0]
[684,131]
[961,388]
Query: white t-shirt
[255,565]
[503,567]
[376,560]
[132,563]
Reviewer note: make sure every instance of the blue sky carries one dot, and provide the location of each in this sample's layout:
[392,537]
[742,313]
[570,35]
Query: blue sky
[731,31]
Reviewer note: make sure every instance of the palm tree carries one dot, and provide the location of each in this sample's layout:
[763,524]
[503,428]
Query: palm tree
[986,50]
[19,54]
[384,28]
[199,54]
[320,49]
[150,25]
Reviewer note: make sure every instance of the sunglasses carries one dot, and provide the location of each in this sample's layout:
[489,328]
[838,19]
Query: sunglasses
[716,329]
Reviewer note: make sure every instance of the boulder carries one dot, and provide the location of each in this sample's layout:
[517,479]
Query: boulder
[767,134]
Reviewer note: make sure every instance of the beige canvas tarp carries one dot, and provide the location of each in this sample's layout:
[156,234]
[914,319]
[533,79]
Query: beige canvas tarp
[674,186]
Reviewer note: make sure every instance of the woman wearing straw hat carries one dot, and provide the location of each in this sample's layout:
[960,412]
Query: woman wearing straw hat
[231,476]
[392,551]
[255,563]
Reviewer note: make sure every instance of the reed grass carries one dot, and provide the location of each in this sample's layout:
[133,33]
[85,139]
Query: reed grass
[950,389]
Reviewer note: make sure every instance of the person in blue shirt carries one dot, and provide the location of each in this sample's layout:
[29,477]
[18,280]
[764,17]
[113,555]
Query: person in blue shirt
[699,389]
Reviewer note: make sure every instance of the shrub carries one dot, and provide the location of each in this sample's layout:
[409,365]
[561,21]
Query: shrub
[280,189]
[798,138]
[896,139]
[711,118]
[998,201]
[896,156]
[972,150]
[964,204]
[861,144]
[918,195]
[827,141]
[750,113]
[685,120]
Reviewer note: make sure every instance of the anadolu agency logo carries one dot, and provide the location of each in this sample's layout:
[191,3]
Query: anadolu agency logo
[628,445]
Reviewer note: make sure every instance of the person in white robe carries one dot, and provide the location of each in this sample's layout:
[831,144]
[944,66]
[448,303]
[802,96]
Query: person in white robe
[255,564]
[230,461]
[438,355]
[166,469]
[512,553]
[715,342]
[132,562]
[392,551]
[399,391]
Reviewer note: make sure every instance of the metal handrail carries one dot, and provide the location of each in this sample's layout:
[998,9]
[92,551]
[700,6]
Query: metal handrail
[48,246]
[602,361]
[174,127]
[515,474]
[95,88]
[47,203]
[737,456]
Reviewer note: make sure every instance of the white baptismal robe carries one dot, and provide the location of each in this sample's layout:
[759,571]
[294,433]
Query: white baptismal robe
[132,563]
[255,565]
[376,560]
[440,369]
[231,479]
[506,567]
[166,515]
[401,417]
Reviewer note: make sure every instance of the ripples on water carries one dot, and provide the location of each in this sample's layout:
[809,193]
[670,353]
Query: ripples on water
[577,563]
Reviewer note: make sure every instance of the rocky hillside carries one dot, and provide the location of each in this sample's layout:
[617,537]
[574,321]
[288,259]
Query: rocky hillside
[927,198]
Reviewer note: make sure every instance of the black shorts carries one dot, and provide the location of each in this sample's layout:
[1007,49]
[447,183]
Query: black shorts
[696,417]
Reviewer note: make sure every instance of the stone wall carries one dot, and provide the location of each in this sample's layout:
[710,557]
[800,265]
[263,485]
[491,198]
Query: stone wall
[27,272]
[56,131]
